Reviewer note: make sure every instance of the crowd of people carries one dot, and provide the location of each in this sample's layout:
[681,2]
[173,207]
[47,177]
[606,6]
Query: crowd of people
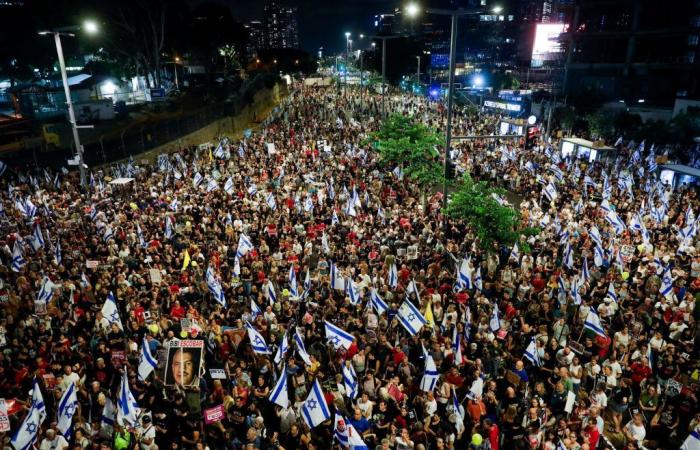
[581,336]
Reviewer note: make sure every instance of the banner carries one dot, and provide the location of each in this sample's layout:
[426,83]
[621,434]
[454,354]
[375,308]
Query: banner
[184,363]
[4,418]
[215,414]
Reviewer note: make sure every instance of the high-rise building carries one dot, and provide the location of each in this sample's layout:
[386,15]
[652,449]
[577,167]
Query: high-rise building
[256,37]
[634,50]
[280,25]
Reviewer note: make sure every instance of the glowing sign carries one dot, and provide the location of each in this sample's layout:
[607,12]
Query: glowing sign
[547,45]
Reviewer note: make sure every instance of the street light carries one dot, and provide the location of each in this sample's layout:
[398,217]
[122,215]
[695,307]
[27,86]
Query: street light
[412,10]
[347,62]
[89,27]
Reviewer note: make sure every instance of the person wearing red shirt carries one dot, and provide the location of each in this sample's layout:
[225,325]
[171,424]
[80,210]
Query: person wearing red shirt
[538,283]
[493,431]
[640,371]
[177,311]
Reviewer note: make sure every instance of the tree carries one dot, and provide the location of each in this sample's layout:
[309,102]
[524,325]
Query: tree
[601,124]
[566,117]
[413,146]
[475,203]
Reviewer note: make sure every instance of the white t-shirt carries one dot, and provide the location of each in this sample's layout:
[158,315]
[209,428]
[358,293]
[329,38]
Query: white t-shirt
[637,432]
[58,443]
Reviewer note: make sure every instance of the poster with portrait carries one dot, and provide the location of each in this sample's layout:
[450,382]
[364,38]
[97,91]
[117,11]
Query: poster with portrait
[185,363]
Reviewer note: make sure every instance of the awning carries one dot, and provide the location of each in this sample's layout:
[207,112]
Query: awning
[121,181]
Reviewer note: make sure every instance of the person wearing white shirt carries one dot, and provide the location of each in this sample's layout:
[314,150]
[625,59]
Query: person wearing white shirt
[634,430]
[69,377]
[53,441]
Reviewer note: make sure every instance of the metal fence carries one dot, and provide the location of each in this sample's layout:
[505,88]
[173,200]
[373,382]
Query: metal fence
[139,139]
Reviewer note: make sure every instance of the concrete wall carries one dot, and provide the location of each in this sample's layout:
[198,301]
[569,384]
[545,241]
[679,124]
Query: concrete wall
[263,102]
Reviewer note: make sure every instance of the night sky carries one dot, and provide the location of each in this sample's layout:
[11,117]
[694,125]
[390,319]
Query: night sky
[321,22]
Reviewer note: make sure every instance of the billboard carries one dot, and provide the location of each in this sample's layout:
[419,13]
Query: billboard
[547,45]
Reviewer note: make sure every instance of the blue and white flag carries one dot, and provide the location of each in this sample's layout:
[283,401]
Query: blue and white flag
[588,181]
[109,414]
[411,319]
[550,192]
[271,294]
[293,282]
[139,233]
[18,260]
[147,363]
[301,348]
[569,256]
[214,286]
[350,380]
[666,283]
[334,218]
[464,276]
[515,253]
[66,409]
[110,311]
[128,410]
[338,337]
[532,355]
[168,227]
[611,292]
[26,435]
[198,178]
[46,292]
[38,236]
[229,187]
[282,350]
[245,245]
[353,291]
[212,185]
[307,281]
[252,189]
[494,321]
[478,282]
[346,434]
[315,409]
[270,200]
[575,285]
[57,258]
[280,394]
[692,442]
[430,373]
[393,277]
[598,255]
[584,270]
[556,171]
[377,302]
[592,323]
[3,168]
[254,308]
[616,222]
[256,340]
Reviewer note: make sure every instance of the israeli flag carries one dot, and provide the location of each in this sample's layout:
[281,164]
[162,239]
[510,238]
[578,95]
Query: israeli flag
[308,204]
[338,337]
[569,256]
[270,200]
[666,284]
[315,409]
[57,253]
[353,292]
[478,282]
[109,414]
[350,380]
[588,181]
[280,395]
[83,280]
[18,260]
[331,190]
[411,319]
[346,434]
[139,233]
[256,340]
[307,281]
[377,302]
[128,410]
[254,308]
[550,192]
[595,236]
[175,204]
[334,219]
[430,374]
[147,363]
[556,171]
[494,322]
[611,292]
[464,276]
[168,227]
[393,276]
[532,355]
[215,288]
[293,282]
[198,178]
[252,189]
[515,253]
[245,245]
[301,348]
[228,186]
[616,222]
[212,185]
[46,292]
[38,236]
[282,349]
[271,295]
[598,256]
[337,282]
[457,347]
[26,435]
[584,270]
[692,442]
[66,409]
[219,152]
[592,323]
[110,311]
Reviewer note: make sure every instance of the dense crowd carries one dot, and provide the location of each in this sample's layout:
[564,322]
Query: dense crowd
[583,336]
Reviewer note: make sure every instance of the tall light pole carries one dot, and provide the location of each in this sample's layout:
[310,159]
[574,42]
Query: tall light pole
[89,27]
[418,70]
[384,39]
[413,10]
[347,51]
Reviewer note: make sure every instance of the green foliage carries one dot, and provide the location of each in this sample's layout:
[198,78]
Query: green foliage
[566,117]
[601,124]
[473,203]
[411,145]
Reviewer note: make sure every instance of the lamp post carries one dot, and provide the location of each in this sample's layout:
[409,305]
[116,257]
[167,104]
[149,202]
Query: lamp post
[413,10]
[347,51]
[384,39]
[89,27]
[418,69]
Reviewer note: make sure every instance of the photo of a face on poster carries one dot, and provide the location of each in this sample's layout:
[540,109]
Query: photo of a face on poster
[184,363]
